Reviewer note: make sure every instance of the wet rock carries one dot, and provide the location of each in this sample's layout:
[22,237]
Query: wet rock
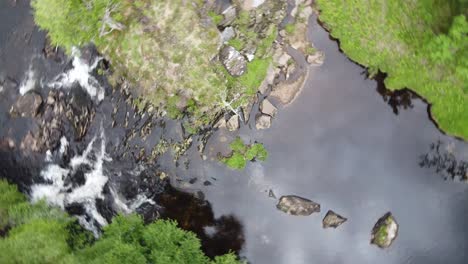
[333,219]
[263,121]
[247,111]
[316,59]
[234,62]
[27,105]
[227,34]
[385,231]
[233,123]
[295,205]
[7,143]
[30,143]
[267,108]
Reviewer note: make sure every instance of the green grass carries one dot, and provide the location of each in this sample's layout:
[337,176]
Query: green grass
[290,28]
[421,45]
[217,18]
[242,153]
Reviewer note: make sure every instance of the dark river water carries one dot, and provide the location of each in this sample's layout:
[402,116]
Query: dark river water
[345,143]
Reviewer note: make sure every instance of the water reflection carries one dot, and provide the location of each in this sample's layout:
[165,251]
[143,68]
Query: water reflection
[441,157]
[397,100]
[218,235]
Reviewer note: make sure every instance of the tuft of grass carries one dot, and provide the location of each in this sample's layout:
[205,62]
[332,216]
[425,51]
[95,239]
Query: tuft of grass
[215,17]
[290,28]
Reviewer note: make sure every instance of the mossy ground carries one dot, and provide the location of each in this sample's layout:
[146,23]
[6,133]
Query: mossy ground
[167,50]
[421,45]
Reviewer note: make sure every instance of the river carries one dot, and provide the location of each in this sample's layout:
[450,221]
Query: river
[343,143]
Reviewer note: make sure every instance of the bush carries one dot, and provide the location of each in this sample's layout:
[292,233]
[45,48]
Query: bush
[42,234]
[241,153]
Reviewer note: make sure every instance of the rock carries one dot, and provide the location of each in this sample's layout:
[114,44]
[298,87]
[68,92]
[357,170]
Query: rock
[295,205]
[283,33]
[263,121]
[233,61]
[251,4]
[316,59]
[7,143]
[233,123]
[29,143]
[230,15]
[268,108]
[247,111]
[333,219]
[283,59]
[385,231]
[227,34]
[221,123]
[27,105]
[269,79]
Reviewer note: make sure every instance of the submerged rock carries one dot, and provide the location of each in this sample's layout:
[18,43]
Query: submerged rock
[295,205]
[385,231]
[263,121]
[333,219]
[267,108]
[234,62]
[27,105]
[233,123]
[316,59]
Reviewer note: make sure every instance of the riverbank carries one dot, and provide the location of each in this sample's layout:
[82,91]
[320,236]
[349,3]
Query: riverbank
[420,45]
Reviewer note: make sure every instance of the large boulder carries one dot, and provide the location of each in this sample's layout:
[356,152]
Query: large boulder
[295,205]
[333,220]
[267,108]
[262,121]
[234,62]
[385,231]
[27,105]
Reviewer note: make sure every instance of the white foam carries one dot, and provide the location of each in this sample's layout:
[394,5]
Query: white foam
[63,145]
[48,157]
[56,192]
[28,83]
[81,74]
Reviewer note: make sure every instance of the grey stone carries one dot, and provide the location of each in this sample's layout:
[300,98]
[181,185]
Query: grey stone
[283,59]
[263,121]
[333,220]
[295,205]
[230,15]
[233,123]
[268,108]
[227,34]
[233,61]
[385,231]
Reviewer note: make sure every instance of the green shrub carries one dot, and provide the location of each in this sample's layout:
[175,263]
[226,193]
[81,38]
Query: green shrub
[42,234]
[241,153]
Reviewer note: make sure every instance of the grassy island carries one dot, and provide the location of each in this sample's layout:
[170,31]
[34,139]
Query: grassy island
[421,45]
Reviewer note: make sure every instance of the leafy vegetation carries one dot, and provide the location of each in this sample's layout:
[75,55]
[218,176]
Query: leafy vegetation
[42,234]
[241,153]
[421,45]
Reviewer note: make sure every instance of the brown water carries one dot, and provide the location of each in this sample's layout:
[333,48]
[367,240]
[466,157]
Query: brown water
[340,144]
